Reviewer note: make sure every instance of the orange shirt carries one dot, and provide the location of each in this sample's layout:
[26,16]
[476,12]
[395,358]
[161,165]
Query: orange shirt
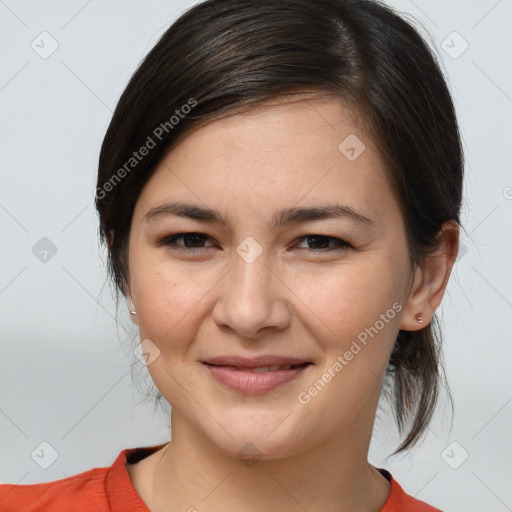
[110,489]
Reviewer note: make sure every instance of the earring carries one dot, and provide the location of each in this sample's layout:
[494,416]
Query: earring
[419,318]
[133,312]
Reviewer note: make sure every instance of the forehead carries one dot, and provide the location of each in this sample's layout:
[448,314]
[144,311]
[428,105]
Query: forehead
[304,150]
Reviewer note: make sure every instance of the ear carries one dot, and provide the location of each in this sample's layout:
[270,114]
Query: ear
[126,286]
[429,282]
[130,302]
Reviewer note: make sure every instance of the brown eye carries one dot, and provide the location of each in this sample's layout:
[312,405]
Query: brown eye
[190,241]
[320,243]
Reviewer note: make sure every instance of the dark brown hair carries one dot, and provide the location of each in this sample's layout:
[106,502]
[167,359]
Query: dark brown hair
[223,57]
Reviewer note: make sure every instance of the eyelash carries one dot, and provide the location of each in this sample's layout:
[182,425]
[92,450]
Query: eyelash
[170,241]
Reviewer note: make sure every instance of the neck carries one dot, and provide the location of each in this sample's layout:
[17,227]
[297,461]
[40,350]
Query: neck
[194,475]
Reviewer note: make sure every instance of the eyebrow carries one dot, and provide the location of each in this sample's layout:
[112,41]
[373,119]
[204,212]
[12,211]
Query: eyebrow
[294,215]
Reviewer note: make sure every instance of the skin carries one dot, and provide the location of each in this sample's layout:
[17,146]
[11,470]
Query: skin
[290,300]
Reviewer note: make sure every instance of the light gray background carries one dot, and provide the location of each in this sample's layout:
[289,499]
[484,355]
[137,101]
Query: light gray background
[64,374]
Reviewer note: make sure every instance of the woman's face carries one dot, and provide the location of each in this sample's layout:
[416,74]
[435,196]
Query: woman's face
[328,289]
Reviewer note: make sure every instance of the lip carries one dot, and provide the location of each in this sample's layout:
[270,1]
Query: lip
[254,362]
[252,383]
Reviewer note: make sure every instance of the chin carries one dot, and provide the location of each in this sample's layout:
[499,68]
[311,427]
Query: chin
[252,442]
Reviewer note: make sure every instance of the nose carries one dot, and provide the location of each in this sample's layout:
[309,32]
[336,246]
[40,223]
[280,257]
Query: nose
[252,298]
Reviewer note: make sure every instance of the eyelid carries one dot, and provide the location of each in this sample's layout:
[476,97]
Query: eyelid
[170,241]
[340,243]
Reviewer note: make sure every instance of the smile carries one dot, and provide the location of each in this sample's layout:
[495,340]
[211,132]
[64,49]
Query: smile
[256,380]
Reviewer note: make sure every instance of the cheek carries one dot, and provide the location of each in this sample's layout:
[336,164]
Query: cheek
[354,316]
[346,300]
[168,299]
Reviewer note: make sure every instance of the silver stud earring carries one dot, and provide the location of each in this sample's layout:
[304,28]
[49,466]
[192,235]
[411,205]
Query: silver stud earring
[133,312]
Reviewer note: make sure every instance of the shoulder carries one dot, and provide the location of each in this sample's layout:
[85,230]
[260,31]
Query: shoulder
[67,494]
[105,488]
[399,500]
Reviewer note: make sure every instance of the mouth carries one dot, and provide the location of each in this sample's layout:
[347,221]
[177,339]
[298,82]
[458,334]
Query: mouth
[253,380]
[262,369]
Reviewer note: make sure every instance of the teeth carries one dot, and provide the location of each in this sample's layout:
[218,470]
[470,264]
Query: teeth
[265,369]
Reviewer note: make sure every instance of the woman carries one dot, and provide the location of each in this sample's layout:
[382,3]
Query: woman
[279,190]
